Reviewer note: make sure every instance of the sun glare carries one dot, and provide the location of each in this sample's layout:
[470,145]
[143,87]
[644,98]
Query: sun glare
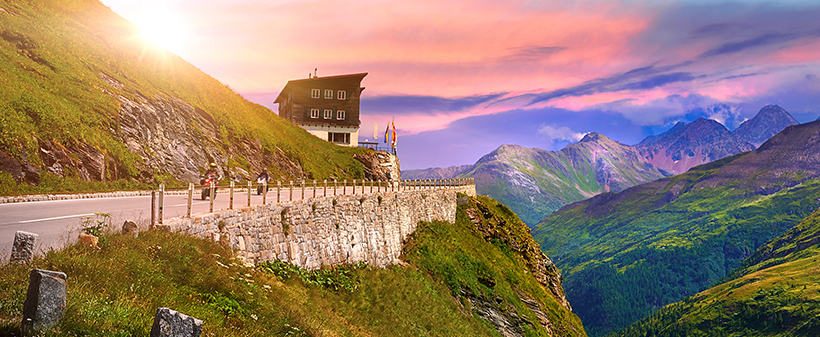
[163,30]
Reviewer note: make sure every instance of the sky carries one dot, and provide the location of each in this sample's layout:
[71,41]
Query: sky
[460,78]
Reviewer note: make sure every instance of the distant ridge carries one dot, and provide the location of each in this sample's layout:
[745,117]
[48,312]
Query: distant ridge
[534,182]
[688,145]
[435,172]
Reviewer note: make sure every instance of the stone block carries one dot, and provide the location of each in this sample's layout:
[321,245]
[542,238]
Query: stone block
[45,300]
[130,228]
[22,250]
[463,201]
[88,240]
[171,323]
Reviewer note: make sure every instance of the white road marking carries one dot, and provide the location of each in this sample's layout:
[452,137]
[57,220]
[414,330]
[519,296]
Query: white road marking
[57,218]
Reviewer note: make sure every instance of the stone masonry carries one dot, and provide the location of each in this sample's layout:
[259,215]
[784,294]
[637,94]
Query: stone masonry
[326,231]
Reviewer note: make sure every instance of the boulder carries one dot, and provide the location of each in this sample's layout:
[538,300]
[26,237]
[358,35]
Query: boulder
[20,170]
[24,247]
[88,240]
[171,323]
[45,300]
[130,228]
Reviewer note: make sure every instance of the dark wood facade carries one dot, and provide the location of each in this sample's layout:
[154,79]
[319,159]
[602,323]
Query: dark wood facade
[338,95]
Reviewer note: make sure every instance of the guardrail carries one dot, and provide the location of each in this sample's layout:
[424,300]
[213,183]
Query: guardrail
[284,191]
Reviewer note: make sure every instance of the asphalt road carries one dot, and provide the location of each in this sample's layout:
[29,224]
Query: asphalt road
[58,222]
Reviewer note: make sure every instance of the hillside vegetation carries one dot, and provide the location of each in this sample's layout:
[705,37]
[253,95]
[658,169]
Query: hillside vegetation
[774,293]
[477,277]
[69,69]
[627,254]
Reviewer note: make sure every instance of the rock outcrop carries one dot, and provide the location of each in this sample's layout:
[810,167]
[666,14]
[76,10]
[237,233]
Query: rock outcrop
[169,135]
[380,165]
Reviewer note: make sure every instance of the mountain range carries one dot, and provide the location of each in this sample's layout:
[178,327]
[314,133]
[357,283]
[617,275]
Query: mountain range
[627,254]
[535,182]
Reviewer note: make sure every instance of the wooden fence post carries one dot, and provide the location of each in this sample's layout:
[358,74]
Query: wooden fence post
[161,201]
[190,198]
[153,209]
[230,204]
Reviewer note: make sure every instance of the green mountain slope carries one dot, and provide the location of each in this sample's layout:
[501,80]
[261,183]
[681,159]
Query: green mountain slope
[534,182]
[482,276]
[626,254]
[774,293]
[86,99]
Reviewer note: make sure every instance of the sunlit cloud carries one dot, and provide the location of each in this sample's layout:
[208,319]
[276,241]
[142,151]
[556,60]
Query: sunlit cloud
[554,133]
[433,64]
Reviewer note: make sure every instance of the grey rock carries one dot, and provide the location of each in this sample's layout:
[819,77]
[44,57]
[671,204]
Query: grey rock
[171,323]
[130,228]
[45,300]
[24,245]
[463,201]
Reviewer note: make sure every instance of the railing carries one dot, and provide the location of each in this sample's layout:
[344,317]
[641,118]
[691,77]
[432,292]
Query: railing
[283,191]
[375,146]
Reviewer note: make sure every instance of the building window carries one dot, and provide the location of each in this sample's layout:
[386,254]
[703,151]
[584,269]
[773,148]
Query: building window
[314,93]
[328,94]
[328,114]
[340,115]
[341,95]
[314,113]
[341,138]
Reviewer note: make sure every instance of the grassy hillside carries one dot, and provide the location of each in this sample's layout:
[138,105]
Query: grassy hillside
[58,59]
[627,254]
[775,293]
[114,290]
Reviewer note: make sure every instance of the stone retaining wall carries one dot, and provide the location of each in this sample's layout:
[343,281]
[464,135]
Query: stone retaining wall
[327,231]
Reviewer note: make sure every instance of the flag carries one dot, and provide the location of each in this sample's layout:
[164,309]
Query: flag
[387,133]
[394,134]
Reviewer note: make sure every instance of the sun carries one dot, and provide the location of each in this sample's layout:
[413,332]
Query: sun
[163,30]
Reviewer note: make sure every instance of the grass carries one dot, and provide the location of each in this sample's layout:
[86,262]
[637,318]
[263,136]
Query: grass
[53,55]
[114,290]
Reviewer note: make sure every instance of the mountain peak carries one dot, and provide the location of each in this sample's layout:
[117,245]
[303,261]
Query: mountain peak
[770,120]
[592,137]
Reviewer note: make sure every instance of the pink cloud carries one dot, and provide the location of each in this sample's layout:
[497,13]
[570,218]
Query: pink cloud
[475,47]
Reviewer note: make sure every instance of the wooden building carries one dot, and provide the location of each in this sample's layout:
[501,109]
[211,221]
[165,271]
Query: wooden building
[327,107]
